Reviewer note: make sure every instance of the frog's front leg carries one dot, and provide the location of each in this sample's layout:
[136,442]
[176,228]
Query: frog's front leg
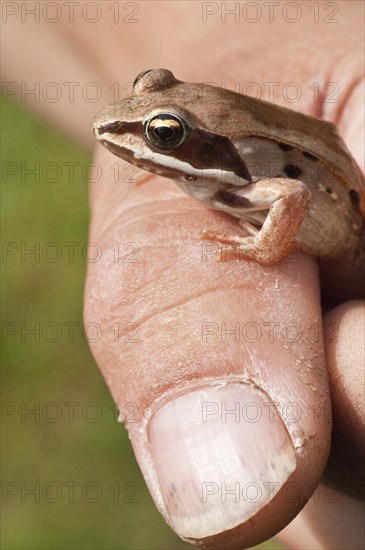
[286,200]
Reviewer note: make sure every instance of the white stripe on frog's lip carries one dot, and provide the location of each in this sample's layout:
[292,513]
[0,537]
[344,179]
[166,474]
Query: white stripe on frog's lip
[161,161]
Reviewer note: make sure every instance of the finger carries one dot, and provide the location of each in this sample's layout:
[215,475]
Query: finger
[330,519]
[222,361]
[334,516]
[345,353]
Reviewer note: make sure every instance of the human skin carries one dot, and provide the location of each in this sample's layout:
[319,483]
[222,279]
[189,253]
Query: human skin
[170,292]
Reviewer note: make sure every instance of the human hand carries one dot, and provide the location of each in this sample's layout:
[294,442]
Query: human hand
[170,293]
[174,372]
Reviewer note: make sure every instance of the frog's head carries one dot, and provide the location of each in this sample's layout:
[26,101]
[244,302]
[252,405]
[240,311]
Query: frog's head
[167,127]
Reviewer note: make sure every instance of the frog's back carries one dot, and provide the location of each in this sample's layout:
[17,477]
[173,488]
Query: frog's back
[317,137]
[255,117]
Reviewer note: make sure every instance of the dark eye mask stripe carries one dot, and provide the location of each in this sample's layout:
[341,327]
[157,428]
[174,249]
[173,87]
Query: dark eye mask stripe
[205,150]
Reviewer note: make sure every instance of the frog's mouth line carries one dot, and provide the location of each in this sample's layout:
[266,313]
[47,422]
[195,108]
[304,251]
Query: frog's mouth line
[150,165]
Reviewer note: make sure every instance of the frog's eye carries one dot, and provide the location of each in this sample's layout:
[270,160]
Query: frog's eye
[166,131]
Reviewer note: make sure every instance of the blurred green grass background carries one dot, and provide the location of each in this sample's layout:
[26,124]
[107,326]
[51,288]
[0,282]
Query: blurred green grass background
[69,477]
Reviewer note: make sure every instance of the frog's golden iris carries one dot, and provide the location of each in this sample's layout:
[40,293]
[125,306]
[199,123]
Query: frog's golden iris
[166,131]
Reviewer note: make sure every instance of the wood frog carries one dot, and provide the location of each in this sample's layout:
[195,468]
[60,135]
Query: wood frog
[287,177]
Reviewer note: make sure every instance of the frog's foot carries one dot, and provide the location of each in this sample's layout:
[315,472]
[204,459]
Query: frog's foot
[239,248]
[233,240]
[234,246]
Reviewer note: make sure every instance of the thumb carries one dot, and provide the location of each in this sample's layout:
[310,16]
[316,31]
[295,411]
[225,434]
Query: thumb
[221,364]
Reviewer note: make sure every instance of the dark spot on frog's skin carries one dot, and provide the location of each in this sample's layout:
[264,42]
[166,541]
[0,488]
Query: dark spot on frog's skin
[309,156]
[355,197]
[329,190]
[292,171]
[285,147]
[231,199]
